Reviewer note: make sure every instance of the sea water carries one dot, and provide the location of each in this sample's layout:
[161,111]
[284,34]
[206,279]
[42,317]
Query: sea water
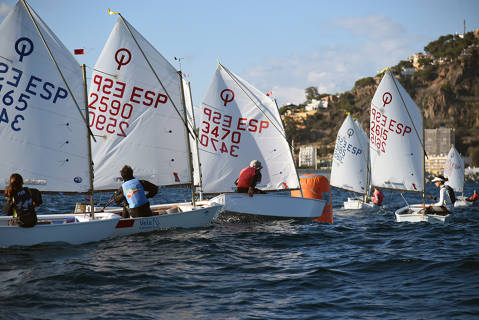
[363,266]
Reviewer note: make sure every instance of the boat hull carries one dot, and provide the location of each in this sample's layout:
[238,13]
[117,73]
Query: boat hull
[270,205]
[412,214]
[58,229]
[461,203]
[356,204]
[187,217]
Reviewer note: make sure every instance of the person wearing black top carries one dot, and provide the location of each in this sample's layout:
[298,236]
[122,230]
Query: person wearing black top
[20,202]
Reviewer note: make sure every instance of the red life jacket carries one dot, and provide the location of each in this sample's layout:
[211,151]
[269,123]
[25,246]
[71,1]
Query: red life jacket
[378,197]
[245,177]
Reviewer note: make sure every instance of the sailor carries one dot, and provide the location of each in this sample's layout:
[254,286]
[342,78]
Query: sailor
[473,198]
[377,197]
[20,202]
[248,178]
[132,195]
[446,198]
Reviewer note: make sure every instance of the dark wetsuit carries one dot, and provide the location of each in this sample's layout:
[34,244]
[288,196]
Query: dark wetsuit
[143,211]
[22,208]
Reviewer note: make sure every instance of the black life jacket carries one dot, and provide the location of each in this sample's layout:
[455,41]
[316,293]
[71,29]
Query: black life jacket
[24,209]
[451,193]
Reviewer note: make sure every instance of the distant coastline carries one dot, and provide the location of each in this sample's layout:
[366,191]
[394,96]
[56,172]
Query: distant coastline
[471,174]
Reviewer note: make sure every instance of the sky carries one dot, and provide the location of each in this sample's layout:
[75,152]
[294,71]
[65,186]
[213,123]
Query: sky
[279,46]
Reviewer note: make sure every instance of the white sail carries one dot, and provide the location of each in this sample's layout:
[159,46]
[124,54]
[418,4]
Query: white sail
[349,167]
[190,114]
[43,134]
[240,124]
[137,115]
[396,138]
[454,170]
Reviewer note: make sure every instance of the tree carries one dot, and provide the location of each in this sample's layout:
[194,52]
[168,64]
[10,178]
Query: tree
[311,93]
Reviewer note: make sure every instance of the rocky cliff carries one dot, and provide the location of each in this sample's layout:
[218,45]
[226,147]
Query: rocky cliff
[444,86]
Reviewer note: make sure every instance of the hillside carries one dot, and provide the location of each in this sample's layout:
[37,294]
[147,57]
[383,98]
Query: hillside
[444,83]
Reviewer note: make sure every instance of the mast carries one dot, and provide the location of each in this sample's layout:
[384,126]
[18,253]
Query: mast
[196,145]
[190,158]
[423,166]
[88,132]
[53,59]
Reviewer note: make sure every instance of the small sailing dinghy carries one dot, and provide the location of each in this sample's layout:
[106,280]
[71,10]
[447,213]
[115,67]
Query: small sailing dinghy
[43,129]
[138,116]
[350,167]
[239,124]
[397,146]
[454,171]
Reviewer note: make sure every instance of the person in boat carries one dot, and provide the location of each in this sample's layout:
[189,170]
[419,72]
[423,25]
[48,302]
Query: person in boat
[473,198]
[377,197]
[133,195]
[446,198]
[20,202]
[249,177]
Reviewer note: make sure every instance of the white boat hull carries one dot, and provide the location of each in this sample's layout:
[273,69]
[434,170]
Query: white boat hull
[411,214]
[461,202]
[356,204]
[270,205]
[187,217]
[57,228]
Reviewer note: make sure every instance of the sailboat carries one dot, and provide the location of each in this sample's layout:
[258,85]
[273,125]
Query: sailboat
[454,171]
[397,146]
[138,116]
[349,169]
[240,124]
[43,128]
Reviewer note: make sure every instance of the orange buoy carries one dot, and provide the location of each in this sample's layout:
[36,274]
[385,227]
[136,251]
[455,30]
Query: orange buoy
[316,186]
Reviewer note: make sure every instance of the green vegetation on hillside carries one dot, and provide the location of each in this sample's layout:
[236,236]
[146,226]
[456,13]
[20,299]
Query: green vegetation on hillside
[445,86]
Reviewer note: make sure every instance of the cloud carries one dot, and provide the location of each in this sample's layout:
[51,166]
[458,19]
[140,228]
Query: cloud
[4,10]
[375,42]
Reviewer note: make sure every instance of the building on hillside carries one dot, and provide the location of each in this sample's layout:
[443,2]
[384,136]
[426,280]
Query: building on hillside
[316,104]
[416,58]
[407,72]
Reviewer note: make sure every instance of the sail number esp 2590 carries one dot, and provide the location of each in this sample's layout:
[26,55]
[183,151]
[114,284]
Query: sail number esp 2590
[111,106]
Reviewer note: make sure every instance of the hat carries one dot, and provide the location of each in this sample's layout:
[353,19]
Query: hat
[439,178]
[255,164]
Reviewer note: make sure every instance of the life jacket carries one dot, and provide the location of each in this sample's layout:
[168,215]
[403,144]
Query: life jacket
[378,197]
[245,177]
[451,193]
[134,193]
[23,208]
[474,197]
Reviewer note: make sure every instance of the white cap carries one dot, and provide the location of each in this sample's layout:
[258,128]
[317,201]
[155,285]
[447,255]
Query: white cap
[438,179]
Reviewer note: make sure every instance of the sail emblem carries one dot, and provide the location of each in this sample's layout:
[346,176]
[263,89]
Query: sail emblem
[21,47]
[350,132]
[121,55]
[224,95]
[387,98]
